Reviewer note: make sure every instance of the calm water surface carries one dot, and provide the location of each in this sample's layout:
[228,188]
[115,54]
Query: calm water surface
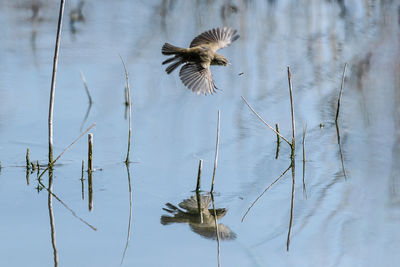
[337,220]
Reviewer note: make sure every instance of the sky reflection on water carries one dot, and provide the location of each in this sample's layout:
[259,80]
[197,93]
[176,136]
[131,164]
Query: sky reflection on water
[341,222]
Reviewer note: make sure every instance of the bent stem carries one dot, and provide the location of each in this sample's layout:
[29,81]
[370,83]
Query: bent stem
[128,94]
[255,201]
[263,121]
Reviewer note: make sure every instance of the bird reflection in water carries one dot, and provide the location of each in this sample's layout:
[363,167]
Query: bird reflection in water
[195,212]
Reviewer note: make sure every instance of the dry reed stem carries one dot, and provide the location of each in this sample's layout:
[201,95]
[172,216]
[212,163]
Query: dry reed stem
[293,145]
[340,93]
[216,152]
[128,93]
[263,121]
[90,152]
[82,178]
[68,147]
[53,80]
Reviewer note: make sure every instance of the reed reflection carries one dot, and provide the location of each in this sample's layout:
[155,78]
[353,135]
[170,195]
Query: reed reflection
[196,212]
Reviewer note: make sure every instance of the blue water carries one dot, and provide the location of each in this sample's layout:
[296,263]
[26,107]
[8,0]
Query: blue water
[337,220]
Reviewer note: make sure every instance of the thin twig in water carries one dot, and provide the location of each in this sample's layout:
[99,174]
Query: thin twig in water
[216,230]
[68,147]
[53,79]
[263,121]
[255,201]
[128,92]
[340,93]
[130,214]
[291,208]
[336,120]
[292,112]
[82,178]
[216,152]
[86,88]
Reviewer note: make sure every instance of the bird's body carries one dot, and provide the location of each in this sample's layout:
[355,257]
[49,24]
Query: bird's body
[196,74]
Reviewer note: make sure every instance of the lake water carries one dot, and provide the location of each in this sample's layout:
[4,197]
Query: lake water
[338,219]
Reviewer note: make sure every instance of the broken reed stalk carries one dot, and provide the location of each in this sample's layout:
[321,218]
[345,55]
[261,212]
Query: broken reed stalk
[128,95]
[340,93]
[53,80]
[90,189]
[199,175]
[82,175]
[27,159]
[216,230]
[86,88]
[216,152]
[90,152]
[255,201]
[292,112]
[278,141]
[68,147]
[90,170]
[263,121]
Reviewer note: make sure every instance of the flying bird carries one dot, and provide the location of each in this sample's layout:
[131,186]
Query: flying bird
[195,73]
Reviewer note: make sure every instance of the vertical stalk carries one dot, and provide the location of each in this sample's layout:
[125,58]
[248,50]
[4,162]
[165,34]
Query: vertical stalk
[53,79]
[292,112]
[216,152]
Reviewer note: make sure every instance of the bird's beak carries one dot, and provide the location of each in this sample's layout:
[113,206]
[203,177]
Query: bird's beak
[230,64]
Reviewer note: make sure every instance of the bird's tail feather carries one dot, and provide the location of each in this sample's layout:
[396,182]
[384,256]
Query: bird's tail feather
[171,59]
[173,66]
[169,49]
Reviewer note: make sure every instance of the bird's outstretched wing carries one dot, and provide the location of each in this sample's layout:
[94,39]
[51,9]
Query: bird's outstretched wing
[197,78]
[216,38]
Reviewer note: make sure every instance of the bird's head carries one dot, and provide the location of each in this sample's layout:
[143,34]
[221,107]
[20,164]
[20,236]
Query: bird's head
[219,60]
